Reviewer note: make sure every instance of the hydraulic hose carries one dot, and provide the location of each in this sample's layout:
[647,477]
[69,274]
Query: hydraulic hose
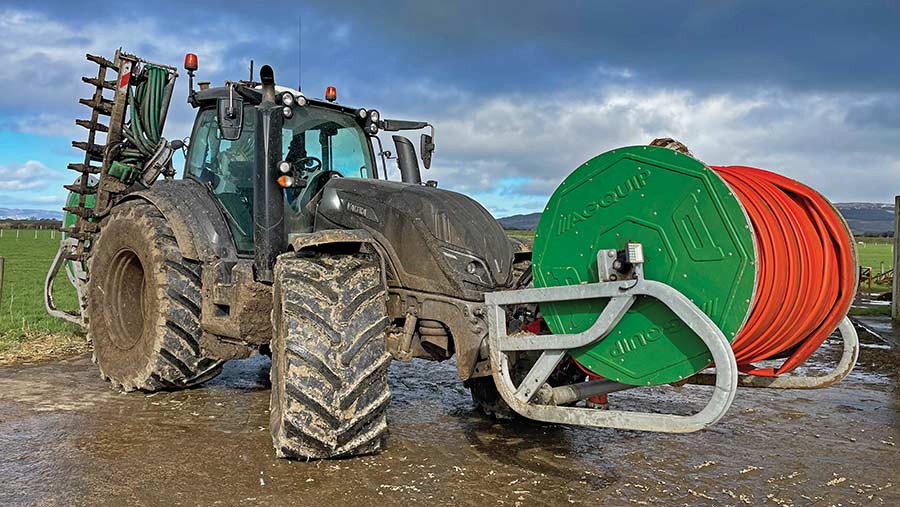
[148,102]
[806,269]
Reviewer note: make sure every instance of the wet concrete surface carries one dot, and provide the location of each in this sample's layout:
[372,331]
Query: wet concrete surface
[67,438]
[879,327]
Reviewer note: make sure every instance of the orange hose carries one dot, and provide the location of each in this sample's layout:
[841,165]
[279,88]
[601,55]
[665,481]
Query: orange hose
[806,274]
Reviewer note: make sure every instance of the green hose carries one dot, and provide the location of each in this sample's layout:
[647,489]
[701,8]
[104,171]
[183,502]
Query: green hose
[144,130]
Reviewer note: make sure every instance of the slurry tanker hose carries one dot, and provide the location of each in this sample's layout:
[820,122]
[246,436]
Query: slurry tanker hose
[148,110]
[806,264]
[767,259]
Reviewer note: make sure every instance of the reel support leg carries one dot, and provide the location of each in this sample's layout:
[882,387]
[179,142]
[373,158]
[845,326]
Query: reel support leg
[849,355]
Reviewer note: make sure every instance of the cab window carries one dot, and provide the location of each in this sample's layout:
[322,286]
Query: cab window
[321,144]
[227,167]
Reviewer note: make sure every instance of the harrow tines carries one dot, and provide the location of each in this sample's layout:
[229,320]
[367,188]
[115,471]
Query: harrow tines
[92,125]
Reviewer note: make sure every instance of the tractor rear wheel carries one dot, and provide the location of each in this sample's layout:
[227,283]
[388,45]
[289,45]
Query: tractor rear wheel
[143,304]
[329,363]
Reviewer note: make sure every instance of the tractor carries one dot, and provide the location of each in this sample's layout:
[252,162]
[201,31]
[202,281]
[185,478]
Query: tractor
[285,237]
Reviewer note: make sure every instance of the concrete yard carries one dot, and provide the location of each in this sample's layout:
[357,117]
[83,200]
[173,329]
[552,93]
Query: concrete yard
[67,438]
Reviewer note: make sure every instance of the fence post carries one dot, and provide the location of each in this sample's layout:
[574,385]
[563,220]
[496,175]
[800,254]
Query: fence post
[895,287]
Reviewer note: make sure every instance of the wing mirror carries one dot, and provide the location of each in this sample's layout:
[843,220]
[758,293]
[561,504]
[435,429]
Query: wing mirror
[230,116]
[426,148]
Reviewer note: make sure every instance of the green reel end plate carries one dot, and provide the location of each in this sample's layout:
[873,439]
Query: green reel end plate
[696,238]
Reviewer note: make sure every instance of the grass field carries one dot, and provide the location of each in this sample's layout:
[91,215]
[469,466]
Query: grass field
[873,253]
[23,321]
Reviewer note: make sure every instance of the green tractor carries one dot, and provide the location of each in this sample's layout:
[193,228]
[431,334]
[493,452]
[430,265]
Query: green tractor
[285,237]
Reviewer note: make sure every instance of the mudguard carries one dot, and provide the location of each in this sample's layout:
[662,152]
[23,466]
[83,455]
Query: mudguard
[200,226]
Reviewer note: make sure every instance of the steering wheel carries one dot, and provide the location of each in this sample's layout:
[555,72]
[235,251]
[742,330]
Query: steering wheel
[309,164]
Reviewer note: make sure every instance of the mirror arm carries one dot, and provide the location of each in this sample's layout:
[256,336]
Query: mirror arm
[398,125]
[381,154]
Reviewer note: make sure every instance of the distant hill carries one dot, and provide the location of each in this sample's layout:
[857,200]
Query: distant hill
[864,218]
[29,214]
[521,222]
[868,218]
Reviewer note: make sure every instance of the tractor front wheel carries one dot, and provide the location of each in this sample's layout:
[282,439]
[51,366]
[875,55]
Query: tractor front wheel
[329,363]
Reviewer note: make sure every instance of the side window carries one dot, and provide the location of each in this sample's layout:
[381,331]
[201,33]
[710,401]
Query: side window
[348,157]
[227,167]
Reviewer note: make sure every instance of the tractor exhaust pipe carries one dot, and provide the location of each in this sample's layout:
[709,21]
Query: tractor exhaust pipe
[267,78]
[268,198]
[406,160]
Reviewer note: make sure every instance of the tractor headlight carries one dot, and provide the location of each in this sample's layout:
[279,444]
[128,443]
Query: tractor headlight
[471,268]
[362,112]
[284,167]
[287,112]
[301,101]
[287,98]
[371,121]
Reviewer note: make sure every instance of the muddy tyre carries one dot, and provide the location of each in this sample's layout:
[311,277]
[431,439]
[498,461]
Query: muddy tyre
[143,304]
[329,363]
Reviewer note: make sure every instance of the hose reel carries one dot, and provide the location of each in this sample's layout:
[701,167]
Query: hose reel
[650,266]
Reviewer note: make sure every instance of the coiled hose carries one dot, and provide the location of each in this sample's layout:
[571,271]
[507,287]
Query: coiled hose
[806,274]
[148,104]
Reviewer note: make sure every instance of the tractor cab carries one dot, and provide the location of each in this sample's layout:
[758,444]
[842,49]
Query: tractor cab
[317,143]
[258,142]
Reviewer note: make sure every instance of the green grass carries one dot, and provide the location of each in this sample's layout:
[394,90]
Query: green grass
[870,311]
[519,234]
[26,261]
[873,253]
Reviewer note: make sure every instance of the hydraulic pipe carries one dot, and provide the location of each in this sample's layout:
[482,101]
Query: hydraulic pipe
[570,394]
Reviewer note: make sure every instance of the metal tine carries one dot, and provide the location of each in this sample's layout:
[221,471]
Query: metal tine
[90,125]
[84,168]
[89,147]
[79,190]
[106,84]
[99,60]
[102,106]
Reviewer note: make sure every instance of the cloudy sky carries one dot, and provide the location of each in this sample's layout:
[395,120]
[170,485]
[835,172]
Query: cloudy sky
[520,92]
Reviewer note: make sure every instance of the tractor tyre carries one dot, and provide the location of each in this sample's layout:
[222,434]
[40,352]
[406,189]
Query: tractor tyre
[143,304]
[329,362]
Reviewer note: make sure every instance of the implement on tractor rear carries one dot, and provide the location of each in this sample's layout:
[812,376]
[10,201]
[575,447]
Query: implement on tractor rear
[650,266]
[131,154]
